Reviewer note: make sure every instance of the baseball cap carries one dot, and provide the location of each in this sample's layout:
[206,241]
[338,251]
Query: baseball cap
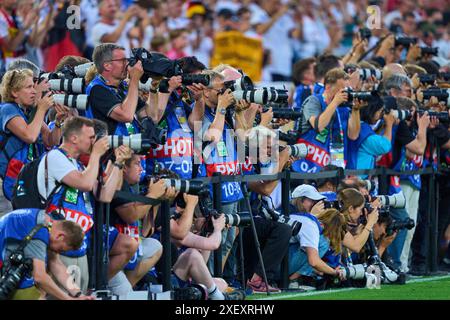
[308,191]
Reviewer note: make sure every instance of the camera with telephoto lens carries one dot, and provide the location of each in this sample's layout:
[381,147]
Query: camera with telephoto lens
[405,41]
[390,105]
[18,268]
[262,95]
[397,225]
[155,64]
[441,94]
[185,186]
[429,50]
[299,150]
[75,85]
[442,116]
[75,101]
[360,95]
[134,141]
[274,215]
[365,74]
[397,200]
[354,271]
[290,137]
[285,113]
[427,78]
[208,212]
[332,205]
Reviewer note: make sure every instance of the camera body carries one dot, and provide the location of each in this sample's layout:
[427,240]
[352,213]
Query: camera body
[18,268]
[405,41]
[397,225]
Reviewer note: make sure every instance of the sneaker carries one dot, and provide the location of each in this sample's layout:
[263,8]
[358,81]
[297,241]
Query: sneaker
[293,284]
[235,295]
[260,287]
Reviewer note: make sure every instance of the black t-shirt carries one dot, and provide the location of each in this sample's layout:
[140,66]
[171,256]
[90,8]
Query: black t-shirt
[403,137]
[117,202]
[103,102]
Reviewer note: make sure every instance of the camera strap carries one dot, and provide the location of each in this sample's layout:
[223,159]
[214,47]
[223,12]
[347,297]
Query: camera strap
[30,236]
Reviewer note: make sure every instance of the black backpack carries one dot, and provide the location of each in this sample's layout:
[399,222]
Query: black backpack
[26,193]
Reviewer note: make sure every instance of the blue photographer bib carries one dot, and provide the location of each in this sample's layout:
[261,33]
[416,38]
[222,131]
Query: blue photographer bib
[122,129]
[176,154]
[75,206]
[222,158]
[16,225]
[327,147]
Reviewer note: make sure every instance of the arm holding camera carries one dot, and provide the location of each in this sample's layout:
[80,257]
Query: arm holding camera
[113,175]
[86,180]
[30,132]
[417,146]
[163,99]
[356,242]
[354,122]
[125,111]
[199,106]
[214,132]
[325,117]
[180,228]
[206,243]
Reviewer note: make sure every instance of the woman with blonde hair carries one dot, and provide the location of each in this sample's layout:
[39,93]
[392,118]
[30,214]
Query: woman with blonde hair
[320,234]
[22,114]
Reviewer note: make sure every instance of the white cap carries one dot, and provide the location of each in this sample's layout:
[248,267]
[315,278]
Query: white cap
[308,191]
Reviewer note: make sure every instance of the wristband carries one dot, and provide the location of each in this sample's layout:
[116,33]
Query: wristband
[153,90]
[368,229]
[119,165]
[58,125]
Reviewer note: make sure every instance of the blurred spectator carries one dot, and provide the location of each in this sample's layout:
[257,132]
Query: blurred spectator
[178,44]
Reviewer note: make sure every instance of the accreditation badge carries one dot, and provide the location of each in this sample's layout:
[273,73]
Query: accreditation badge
[222,149]
[71,196]
[337,155]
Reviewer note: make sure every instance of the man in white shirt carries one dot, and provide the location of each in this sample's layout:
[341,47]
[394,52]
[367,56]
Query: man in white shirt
[109,29]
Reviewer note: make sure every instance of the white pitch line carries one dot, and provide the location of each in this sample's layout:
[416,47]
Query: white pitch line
[313,293]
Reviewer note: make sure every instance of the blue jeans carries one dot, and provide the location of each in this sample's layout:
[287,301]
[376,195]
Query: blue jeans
[298,259]
[396,247]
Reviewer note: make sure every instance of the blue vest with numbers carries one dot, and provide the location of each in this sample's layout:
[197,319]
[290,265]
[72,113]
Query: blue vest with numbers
[225,164]
[16,225]
[319,150]
[176,153]
[123,129]
[75,206]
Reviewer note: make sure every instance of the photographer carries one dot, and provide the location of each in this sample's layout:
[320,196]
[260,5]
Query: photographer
[66,184]
[304,79]
[54,237]
[177,153]
[125,217]
[327,126]
[110,98]
[369,145]
[23,128]
[328,186]
[352,206]
[273,235]
[319,239]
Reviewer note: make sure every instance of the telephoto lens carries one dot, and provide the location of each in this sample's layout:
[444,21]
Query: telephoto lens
[299,150]
[365,74]
[401,114]
[76,101]
[237,220]
[188,79]
[397,200]
[76,85]
[82,69]
[185,186]
[135,142]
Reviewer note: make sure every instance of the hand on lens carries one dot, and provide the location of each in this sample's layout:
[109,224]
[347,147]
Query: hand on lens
[219,223]
[156,189]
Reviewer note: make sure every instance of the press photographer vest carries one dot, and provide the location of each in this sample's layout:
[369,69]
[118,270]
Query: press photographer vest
[387,161]
[354,145]
[319,144]
[14,154]
[222,158]
[330,257]
[16,225]
[176,154]
[122,129]
[75,206]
